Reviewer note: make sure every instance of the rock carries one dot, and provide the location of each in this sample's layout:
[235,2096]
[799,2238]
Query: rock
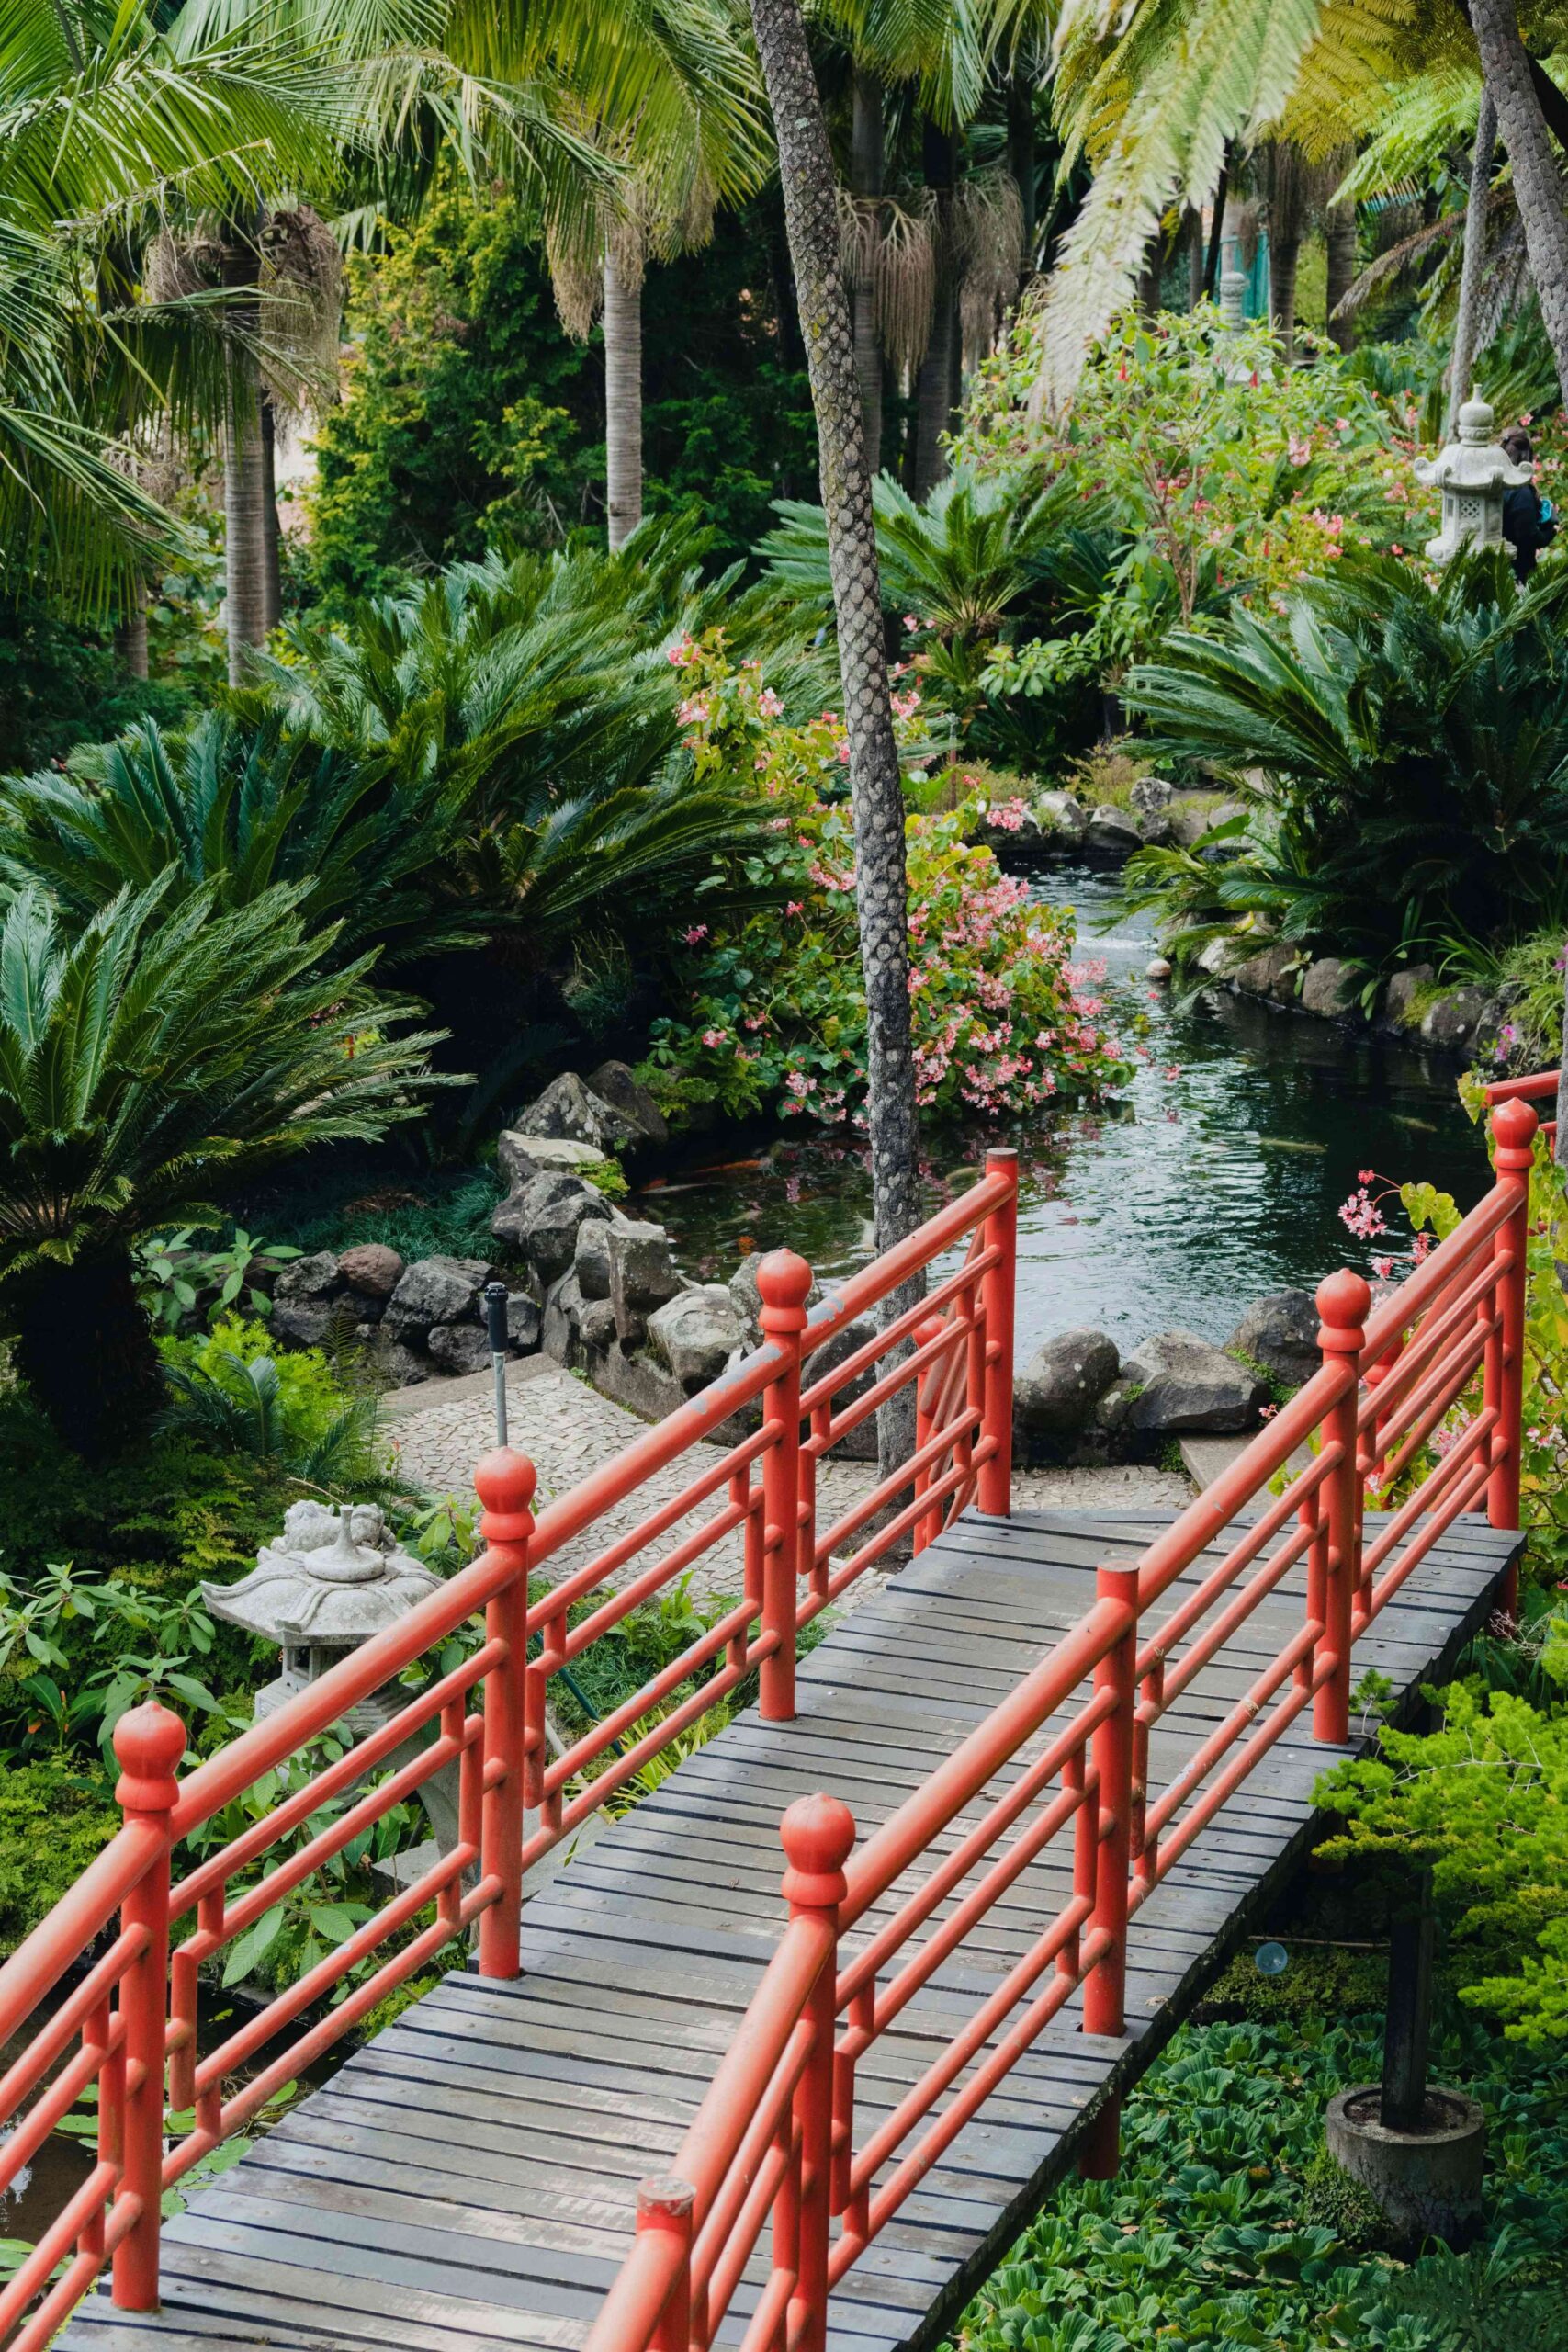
[1155,830]
[568,1108]
[372,1268]
[521,1157]
[597,1326]
[1216,958]
[638,1381]
[313,1277]
[1328,987]
[1455,1019]
[642,1273]
[523,1322]
[459,1347]
[560,1326]
[1062,817]
[1271,972]
[1398,999]
[695,1334]
[400,1367]
[434,1290]
[590,1258]
[616,1084]
[543,1219]
[308,1322]
[1110,1414]
[1150,794]
[1114,830]
[1281,1333]
[1062,1383]
[1184,1383]
[1189,824]
[827,1358]
[1158,968]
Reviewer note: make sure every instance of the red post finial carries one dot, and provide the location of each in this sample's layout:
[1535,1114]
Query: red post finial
[783,1280]
[1344,1301]
[817,1834]
[149,1742]
[505,1482]
[1514,1124]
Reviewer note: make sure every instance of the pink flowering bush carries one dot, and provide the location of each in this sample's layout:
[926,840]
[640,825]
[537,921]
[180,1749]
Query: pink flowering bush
[773,1014]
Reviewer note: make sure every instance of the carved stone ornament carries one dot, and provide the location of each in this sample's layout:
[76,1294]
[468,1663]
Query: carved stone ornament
[1474,476]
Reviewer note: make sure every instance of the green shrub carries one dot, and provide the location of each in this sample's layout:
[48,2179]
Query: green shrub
[54,1818]
[288,1406]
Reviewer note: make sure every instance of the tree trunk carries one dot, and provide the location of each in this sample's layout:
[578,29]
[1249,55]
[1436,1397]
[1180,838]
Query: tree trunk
[1151,275]
[1193,228]
[806,167]
[1283,259]
[131,635]
[1462,365]
[1340,233]
[1217,230]
[622,400]
[84,1349]
[934,384]
[272,577]
[865,186]
[1538,184]
[1021,164]
[244,476]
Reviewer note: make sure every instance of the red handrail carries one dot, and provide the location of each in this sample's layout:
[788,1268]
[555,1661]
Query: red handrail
[135,2017]
[776,2139]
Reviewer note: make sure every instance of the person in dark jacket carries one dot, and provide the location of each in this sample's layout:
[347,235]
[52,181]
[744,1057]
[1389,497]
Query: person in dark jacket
[1528,523]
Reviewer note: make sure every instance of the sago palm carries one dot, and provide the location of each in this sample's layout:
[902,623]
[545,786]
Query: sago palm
[152,1059]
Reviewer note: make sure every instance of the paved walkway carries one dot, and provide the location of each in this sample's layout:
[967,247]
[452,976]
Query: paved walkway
[569,1430]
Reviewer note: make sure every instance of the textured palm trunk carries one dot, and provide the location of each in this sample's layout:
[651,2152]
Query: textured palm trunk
[272,562]
[622,400]
[1537,183]
[1481,159]
[1216,230]
[84,1349]
[1283,260]
[244,472]
[131,636]
[1193,230]
[1339,234]
[806,167]
[865,186]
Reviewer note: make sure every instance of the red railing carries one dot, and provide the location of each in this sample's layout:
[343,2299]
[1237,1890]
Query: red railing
[775,2147]
[130,2024]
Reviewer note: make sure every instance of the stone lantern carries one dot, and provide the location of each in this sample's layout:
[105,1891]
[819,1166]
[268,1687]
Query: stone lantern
[1475,475]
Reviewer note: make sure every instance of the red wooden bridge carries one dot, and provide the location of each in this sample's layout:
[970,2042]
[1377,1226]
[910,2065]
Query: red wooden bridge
[669,2104]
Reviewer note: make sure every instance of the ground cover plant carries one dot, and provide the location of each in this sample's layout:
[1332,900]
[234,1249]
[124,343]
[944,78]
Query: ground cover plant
[1228,2227]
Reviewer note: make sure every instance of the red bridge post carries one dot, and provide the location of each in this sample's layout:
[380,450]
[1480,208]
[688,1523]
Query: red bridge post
[1342,1300]
[993,1487]
[1513,1127]
[1105,1987]
[149,1742]
[783,1282]
[818,1834]
[505,1482]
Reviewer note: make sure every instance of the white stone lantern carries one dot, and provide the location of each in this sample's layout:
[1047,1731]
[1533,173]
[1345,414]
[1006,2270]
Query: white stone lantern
[1474,476]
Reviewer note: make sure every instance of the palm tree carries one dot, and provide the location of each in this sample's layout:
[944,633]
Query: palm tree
[1538,181]
[152,1059]
[806,167]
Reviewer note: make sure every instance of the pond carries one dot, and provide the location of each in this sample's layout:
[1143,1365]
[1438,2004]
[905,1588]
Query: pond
[1215,1175]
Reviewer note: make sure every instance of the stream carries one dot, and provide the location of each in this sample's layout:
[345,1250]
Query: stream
[1214,1176]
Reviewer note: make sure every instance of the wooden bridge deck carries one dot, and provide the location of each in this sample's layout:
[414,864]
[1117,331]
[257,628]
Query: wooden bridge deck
[467,2181]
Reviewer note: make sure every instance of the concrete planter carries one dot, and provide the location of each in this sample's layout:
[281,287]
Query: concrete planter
[1426,2182]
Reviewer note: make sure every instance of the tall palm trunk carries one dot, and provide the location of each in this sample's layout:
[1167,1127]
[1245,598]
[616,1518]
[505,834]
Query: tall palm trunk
[1284,259]
[1463,363]
[1193,228]
[245,473]
[272,574]
[806,167]
[130,634]
[1218,229]
[934,385]
[1538,192]
[865,186]
[622,397]
[1340,233]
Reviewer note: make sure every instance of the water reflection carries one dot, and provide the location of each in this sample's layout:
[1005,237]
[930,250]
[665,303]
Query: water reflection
[1216,1176]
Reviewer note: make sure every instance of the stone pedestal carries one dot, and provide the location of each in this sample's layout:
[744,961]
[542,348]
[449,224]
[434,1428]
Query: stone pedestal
[1426,2182]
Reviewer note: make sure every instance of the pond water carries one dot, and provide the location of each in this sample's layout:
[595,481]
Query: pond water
[1214,1176]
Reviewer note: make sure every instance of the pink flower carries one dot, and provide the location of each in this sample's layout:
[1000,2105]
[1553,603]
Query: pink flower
[768,704]
[716,1037]
[796,907]
[698,931]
